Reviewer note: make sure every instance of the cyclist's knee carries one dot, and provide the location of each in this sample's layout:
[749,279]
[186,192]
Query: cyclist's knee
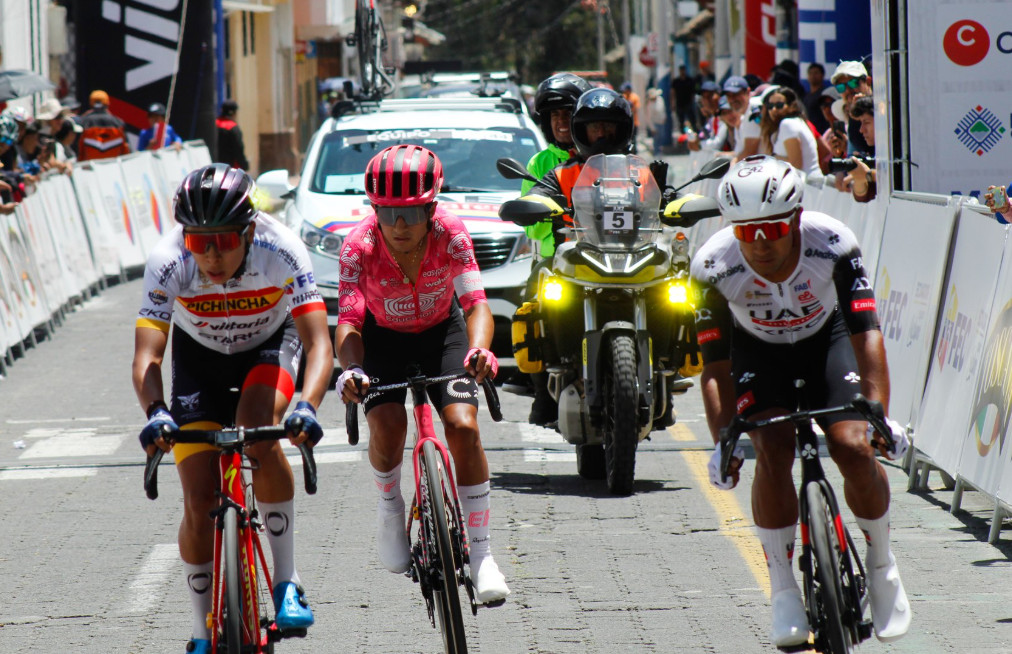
[850,450]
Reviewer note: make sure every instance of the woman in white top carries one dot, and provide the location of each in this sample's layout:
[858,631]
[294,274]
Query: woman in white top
[784,132]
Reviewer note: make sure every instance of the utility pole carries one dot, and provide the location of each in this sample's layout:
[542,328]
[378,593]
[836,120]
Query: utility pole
[599,9]
[626,30]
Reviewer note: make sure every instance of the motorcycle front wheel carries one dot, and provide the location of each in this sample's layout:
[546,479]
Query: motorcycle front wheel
[621,433]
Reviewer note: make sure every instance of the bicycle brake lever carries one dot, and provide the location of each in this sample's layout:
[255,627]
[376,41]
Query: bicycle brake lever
[727,446]
[351,422]
[492,399]
[308,468]
[151,474]
[874,413]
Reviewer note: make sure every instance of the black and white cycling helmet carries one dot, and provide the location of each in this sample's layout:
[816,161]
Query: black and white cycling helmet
[760,187]
[216,195]
[560,91]
[602,105]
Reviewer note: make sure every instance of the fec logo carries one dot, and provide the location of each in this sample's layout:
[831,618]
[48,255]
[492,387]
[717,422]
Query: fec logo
[966,42]
[979,130]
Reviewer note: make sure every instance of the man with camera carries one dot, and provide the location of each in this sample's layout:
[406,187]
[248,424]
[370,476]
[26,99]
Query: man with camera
[859,168]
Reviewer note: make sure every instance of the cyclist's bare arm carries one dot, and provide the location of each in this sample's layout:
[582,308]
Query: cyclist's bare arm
[350,351]
[718,395]
[480,328]
[149,351]
[315,337]
[869,348]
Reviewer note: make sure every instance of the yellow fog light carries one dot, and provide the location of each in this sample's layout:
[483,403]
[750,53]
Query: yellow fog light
[678,294]
[552,291]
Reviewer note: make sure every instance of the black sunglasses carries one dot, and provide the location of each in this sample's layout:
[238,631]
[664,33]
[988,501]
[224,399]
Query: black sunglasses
[776,105]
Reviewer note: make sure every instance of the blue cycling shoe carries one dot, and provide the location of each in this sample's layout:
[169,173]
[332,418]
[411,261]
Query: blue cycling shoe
[290,606]
[198,646]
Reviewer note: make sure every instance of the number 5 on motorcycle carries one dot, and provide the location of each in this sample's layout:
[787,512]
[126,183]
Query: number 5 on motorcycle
[619,220]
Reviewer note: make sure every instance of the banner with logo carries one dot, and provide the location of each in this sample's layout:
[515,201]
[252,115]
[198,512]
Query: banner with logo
[12,310]
[25,274]
[39,241]
[68,265]
[171,167]
[915,246]
[111,192]
[831,31]
[101,235]
[959,91]
[985,452]
[943,422]
[134,60]
[198,154]
[73,234]
[760,37]
[147,204]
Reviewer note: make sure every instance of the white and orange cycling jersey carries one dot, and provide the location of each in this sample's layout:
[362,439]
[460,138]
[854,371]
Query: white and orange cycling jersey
[276,278]
[372,281]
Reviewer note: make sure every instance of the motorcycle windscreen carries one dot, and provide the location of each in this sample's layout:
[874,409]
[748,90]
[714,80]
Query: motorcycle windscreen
[616,202]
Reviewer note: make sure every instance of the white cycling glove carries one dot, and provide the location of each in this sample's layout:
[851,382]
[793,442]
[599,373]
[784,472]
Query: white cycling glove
[713,467]
[349,374]
[900,440]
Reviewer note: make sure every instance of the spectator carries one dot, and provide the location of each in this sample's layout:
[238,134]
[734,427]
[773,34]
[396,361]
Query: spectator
[28,150]
[737,91]
[1003,212]
[787,73]
[230,145]
[634,102]
[784,132]
[683,88]
[11,187]
[657,113]
[851,79]
[704,74]
[725,138]
[56,124]
[708,106]
[863,180]
[20,118]
[103,135]
[816,84]
[156,124]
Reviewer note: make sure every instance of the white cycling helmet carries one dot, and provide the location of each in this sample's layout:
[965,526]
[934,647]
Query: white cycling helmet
[759,187]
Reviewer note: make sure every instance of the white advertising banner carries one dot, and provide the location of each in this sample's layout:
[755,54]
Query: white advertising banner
[960,137]
[39,241]
[12,309]
[147,205]
[73,234]
[172,166]
[985,457]
[944,422]
[72,276]
[103,238]
[111,193]
[915,246]
[26,278]
[198,153]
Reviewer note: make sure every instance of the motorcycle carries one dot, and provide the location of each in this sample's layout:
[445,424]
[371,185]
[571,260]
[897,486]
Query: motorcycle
[622,281]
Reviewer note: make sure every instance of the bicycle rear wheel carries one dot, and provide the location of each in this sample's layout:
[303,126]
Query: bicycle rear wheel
[833,631]
[445,590]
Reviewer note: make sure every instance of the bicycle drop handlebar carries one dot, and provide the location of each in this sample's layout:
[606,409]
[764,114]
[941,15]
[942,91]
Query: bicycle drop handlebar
[869,410]
[491,399]
[231,438]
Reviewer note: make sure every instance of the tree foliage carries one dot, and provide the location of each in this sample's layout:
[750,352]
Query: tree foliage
[534,37]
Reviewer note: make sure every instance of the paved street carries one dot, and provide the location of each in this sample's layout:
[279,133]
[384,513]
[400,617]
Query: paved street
[88,564]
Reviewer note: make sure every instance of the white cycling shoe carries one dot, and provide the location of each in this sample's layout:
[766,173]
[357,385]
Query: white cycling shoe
[489,584]
[392,541]
[790,622]
[890,609]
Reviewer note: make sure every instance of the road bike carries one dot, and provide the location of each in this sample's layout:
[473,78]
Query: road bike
[369,41]
[241,606]
[835,582]
[439,556]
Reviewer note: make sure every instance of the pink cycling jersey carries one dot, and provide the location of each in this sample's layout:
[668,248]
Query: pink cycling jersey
[372,281]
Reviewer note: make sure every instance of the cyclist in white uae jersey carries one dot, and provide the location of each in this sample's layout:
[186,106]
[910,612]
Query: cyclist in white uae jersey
[239,290]
[781,294]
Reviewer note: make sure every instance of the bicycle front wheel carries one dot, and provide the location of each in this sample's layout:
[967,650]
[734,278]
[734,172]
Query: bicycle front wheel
[445,591]
[233,583]
[831,630]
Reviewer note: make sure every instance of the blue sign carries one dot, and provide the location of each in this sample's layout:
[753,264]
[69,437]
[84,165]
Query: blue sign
[840,33]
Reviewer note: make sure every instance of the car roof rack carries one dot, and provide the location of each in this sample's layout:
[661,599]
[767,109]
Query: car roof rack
[499,103]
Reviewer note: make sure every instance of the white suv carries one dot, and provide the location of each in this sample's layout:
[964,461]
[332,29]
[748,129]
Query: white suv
[468,135]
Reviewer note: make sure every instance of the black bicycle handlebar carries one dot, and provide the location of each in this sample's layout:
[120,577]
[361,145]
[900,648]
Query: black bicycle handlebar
[228,438]
[871,411]
[487,385]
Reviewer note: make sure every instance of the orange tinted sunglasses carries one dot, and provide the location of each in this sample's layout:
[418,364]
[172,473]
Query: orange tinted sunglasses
[770,231]
[199,242]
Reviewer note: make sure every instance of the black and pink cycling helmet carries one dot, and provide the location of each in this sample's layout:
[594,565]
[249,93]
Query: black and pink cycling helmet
[403,175]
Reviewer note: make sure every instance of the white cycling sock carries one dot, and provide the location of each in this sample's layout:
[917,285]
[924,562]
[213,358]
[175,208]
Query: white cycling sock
[198,581]
[474,503]
[876,535]
[778,546]
[279,521]
[389,486]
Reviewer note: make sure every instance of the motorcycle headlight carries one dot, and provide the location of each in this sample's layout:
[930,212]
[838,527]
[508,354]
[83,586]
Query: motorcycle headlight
[678,293]
[321,241]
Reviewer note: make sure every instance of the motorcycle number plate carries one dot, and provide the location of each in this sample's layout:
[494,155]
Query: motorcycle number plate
[618,220]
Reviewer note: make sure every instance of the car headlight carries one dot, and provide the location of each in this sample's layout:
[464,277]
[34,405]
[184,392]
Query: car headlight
[321,241]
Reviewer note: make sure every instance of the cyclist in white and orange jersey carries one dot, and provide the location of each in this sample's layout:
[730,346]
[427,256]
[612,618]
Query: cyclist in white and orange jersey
[238,288]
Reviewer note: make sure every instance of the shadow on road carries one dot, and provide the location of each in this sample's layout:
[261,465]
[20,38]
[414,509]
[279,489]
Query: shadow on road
[572,485]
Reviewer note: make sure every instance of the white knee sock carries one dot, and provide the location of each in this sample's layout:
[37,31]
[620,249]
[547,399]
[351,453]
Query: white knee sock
[198,581]
[876,535]
[389,486]
[778,546]
[279,520]
[474,503]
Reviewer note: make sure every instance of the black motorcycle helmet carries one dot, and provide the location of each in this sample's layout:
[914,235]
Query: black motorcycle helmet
[560,91]
[215,196]
[606,105]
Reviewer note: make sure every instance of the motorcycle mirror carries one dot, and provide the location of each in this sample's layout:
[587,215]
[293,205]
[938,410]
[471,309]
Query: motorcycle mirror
[688,210]
[524,212]
[513,169]
[712,169]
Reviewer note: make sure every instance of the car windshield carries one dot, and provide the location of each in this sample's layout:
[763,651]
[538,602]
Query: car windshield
[468,156]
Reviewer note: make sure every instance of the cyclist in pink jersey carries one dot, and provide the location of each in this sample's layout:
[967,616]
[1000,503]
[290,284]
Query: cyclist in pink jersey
[411,294]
